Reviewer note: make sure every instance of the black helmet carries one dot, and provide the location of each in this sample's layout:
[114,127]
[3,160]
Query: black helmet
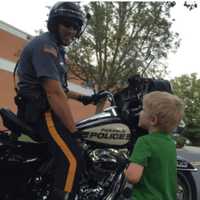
[66,12]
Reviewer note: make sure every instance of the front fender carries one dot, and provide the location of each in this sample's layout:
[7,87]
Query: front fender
[184,165]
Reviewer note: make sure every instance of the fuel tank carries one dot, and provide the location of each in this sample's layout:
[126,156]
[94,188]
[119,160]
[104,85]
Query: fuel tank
[105,128]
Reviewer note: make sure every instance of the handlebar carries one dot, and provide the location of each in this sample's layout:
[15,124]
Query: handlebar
[108,95]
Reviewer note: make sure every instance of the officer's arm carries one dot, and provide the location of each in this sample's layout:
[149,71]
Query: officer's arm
[73,95]
[57,100]
[85,99]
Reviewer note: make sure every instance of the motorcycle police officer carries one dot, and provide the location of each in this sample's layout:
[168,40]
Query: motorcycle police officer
[42,94]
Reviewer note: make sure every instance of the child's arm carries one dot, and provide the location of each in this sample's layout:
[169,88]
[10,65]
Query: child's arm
[134,173]
[138,160]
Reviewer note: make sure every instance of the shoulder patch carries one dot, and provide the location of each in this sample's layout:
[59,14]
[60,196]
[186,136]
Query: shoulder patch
[51,50]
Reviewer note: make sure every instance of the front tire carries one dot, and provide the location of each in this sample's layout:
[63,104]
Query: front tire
[186,188]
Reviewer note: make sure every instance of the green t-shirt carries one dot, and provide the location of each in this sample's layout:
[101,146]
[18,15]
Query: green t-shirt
[157,153]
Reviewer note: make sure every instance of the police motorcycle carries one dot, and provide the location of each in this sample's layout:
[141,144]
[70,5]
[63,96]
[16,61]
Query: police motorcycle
[108,139]
[26,168]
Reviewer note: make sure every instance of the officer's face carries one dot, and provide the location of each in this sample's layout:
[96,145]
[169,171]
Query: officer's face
[67,34]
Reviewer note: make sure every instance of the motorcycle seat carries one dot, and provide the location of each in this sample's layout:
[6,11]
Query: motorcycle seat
[14,124]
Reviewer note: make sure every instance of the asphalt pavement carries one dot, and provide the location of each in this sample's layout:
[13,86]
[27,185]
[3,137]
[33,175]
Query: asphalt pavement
[191,153]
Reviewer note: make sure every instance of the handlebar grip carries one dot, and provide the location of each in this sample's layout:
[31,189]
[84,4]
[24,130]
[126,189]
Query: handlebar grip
[106,94]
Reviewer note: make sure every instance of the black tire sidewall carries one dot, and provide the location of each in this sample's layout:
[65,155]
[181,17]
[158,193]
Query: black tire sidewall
[187,181]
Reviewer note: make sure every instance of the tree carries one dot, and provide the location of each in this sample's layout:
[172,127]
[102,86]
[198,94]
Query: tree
[122,39]
[188,88]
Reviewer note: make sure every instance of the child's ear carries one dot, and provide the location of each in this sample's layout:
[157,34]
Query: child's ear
[154,120]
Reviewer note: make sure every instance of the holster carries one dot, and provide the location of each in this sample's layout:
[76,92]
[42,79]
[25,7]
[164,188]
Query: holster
[31,107]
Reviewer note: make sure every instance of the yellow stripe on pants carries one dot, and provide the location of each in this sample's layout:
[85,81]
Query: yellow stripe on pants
[63,146]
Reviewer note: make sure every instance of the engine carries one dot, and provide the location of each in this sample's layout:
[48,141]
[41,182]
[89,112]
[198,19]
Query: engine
[103,176]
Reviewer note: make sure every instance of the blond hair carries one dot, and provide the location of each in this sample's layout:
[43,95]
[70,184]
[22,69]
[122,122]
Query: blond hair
[168,108]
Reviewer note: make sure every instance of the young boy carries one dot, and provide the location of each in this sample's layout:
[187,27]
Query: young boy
[152,167]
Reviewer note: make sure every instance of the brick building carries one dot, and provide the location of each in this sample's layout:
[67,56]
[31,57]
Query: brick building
[12,41]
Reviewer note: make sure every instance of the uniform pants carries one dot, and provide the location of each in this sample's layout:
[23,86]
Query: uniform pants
[66,153]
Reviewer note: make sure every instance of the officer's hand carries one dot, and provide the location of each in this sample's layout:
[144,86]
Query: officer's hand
[88,99]
[91,99]
[85,99]
[78,137]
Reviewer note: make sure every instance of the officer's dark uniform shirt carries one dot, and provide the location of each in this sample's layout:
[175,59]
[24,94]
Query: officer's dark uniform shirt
[41,59]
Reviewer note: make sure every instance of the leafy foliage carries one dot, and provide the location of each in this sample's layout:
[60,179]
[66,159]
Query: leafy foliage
[122,39]
[188,88]
[190,6]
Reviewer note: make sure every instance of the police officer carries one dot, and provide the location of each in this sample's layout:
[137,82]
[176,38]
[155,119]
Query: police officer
[42,95]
